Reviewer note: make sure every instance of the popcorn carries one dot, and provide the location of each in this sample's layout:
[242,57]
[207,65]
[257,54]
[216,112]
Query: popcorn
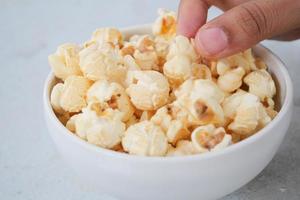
[175,129]
[201,71]
[165,24]
[148,90]
[231,103]
[183,148]
[261,84]
[108,35]
[208,138]
[182,46]
[244,60]
[145,55]
[231,80]
[152,95]
[178,69]
[202,99]
[111,95]
[70,125]
[65,61]
[147,60]
[250,115]
[70,96]
[102,62]
[55,98]
[145,138]
[161,46]
[104,131]
[130,63]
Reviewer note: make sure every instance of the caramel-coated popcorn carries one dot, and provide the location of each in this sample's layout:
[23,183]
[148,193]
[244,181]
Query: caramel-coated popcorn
[153,95]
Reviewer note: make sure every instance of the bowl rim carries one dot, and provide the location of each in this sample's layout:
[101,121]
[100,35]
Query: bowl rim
[287,103]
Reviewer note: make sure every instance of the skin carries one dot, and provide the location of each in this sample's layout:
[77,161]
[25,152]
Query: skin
[243,24]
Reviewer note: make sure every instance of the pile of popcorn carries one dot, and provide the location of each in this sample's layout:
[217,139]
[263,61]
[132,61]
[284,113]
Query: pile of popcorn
[153,95]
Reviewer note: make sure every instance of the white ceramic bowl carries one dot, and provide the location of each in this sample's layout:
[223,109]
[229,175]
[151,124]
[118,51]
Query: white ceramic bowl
[207,176]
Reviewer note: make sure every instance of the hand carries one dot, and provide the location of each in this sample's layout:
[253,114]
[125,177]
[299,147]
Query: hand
[243,24]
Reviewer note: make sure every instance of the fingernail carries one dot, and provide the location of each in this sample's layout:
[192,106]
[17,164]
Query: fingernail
[212,40]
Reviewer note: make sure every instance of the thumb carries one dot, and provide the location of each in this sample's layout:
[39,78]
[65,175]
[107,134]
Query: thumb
[245,25]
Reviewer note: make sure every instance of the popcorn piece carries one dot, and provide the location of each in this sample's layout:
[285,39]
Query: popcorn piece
[148,90]
[244,60]
[104,131]
[70,125]
[130,63]
[108,35]
[65,61]
[70,96]
[202,99]
[182,46]
[231,80]
[250,115]
[145,55]
[175,129]
[260,64]
[205,88]
[145,138]
[178,69]
[222,66]
[102,62]
[146,60]
[183,148]
[111,95]
[165,24]
[208,138]
[161,46]
[250,58]
[261,84]
[55,98]
[201,71]
[232,102]
[162,118]
[269,105]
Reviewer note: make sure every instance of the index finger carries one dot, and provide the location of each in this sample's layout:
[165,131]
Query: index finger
[192,15]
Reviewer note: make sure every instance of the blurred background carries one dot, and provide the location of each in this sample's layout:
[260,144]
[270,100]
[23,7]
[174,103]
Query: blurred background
[30,167]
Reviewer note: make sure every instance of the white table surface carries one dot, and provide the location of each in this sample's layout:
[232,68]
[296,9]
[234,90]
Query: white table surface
[30,167]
